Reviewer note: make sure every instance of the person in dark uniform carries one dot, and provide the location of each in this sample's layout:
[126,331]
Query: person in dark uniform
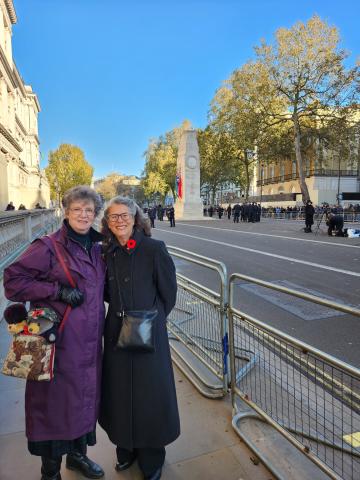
[139,410]
[237,209]
[171,216]
[228,210]
[210,211]
[242,213]
[335,222]
[9,207]
[246,212]
[309,216]
[258,214]
[152,216]
[160,212]
[251,213]
[220,212]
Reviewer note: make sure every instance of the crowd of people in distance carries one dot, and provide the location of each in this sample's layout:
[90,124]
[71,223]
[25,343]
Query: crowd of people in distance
[334,215]
[246,212]
[159,212]
[289,212]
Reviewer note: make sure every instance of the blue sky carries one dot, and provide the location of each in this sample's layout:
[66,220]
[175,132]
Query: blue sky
[111,74]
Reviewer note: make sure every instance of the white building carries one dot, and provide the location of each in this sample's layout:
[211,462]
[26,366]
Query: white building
[21,180]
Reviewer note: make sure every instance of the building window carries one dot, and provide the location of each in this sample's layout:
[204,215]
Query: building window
[282,172]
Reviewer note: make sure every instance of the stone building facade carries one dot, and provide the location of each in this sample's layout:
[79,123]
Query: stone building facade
[279,182]
[21,179]
[329,174]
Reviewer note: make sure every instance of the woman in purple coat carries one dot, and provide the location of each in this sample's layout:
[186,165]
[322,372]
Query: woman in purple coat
[61,414]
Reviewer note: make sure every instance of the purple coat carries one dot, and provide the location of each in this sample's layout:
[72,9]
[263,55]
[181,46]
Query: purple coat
[66,407]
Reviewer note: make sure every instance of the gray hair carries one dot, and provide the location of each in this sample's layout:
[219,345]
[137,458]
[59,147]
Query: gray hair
[85,193]
[141,222]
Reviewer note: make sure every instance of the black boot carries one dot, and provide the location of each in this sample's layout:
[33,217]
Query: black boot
[50,468]
[125,458]
[80,462]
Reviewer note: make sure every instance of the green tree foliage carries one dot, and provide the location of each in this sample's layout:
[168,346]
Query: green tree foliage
[218,156]
[67,168]
[160,162]
[234,112]
[305,70]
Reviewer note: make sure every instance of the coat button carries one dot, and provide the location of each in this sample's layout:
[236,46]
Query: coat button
[126,279]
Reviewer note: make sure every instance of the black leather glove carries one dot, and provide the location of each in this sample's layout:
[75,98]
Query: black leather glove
[70,295]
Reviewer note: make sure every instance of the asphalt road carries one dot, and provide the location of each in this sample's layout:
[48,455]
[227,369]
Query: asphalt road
[279,251]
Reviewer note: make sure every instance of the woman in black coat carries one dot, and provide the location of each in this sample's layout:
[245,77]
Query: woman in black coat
[139,408]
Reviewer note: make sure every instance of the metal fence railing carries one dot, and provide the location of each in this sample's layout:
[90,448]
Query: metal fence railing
[198,324]
[349,217]
[310,397]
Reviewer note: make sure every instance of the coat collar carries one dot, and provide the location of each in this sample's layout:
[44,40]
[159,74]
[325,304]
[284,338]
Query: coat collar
[137,235]
[94,234]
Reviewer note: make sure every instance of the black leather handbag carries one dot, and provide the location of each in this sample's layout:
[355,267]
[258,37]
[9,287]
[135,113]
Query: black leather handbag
[137,332]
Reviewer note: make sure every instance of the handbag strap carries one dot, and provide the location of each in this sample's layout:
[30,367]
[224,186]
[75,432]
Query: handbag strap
[60,258]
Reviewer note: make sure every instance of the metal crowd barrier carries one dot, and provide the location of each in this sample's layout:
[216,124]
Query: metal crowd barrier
[198,328]
[310,397]
[350,217]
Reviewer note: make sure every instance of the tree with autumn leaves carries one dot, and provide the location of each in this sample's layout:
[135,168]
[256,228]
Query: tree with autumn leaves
[294,98]
[67,168]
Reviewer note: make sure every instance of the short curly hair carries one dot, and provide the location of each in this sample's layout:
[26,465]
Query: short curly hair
[85,193]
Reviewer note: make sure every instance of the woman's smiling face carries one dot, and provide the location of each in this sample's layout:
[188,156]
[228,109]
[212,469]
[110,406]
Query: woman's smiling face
[120,222]
[81,215]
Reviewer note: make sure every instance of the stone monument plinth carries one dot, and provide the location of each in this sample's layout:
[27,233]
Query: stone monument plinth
[189,206]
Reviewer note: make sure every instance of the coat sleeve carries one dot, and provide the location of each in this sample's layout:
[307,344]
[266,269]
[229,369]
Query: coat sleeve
[165,278]
[25,279]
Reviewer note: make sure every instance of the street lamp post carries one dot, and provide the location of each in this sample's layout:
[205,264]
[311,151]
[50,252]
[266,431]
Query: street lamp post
[338,189]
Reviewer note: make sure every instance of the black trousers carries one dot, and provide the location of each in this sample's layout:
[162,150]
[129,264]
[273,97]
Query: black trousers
[172,222]
[50,466]
[149,459]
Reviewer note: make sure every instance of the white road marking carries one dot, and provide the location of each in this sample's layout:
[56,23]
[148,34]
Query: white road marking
[271,235]
[274,255]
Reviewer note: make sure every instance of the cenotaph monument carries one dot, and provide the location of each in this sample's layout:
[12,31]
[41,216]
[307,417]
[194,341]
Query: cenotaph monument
[188,205]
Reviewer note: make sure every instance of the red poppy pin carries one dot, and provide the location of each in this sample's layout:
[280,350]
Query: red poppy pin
[130,244]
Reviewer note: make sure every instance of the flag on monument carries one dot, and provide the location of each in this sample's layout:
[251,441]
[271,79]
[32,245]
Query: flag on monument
[178,185]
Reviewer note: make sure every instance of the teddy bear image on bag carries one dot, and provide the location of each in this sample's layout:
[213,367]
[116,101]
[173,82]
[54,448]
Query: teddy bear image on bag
[31,354]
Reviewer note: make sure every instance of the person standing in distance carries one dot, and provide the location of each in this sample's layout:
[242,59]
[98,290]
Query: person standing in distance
[309,216]
[171,217]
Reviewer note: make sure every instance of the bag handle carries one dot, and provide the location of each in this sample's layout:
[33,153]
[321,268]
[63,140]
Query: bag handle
[60,257]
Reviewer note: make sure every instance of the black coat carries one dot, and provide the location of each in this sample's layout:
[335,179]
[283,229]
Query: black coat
[309,214]
[139,406]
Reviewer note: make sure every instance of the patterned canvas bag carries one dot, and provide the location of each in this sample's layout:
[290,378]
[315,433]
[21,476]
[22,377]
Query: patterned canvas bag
[32,356]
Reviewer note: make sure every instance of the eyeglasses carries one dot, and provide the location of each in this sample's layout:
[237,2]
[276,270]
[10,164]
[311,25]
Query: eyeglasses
[115,217]
[89,212]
